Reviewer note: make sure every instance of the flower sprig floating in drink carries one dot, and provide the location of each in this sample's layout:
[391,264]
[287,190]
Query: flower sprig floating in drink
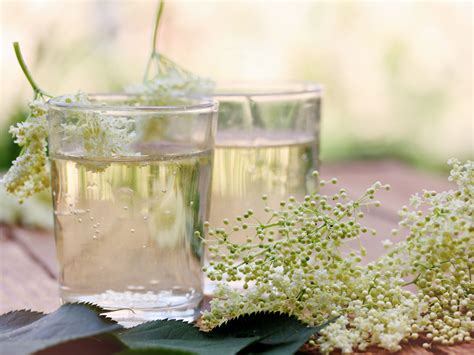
[293,263]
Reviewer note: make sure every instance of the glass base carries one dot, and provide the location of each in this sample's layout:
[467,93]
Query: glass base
[131,318]
[133,308]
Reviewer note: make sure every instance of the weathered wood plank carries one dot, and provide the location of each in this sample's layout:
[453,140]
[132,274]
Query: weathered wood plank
[41,247]
[24,284]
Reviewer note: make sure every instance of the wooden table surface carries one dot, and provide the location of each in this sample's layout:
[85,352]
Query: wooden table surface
[28,266]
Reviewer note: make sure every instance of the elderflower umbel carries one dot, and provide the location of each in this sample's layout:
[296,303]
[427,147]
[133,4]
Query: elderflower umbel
[29,172]
[303,272]
[170,82]
[101,135]
[293,264]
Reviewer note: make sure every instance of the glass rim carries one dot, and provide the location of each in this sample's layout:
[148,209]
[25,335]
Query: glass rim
[204,104]
[270,88]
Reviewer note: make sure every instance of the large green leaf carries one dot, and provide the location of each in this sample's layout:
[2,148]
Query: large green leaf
[24,332]
[262,333]
[278,333]
[159,336]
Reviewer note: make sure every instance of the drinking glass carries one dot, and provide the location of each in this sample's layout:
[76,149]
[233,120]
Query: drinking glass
[267,143]
[131,186]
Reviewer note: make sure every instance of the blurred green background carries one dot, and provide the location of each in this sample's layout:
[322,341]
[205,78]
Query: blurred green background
[398,76]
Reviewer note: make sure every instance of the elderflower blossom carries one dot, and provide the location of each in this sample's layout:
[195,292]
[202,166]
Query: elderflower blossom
[304,273]
[294,263]
[101,135]
[170,80]
[29,172]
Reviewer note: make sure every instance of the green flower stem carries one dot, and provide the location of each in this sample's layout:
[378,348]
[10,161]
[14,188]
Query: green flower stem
[154,52]
[24,67]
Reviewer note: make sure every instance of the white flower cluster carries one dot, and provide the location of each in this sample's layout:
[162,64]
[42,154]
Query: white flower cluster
[29,172]
[169,82]
[292,263]
[101,135]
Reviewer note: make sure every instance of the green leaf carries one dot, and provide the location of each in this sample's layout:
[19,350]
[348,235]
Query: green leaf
[24,332]
[160,336]
[279,333]
[256,333]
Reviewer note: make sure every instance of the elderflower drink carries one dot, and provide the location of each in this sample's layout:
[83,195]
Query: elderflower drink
[130,190]
[277,165]
[267,144]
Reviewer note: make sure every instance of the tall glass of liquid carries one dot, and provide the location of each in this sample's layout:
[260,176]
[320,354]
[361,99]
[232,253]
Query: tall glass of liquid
[131,186]
[267,143]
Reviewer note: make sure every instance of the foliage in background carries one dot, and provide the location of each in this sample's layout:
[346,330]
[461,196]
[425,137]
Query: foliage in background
[8,149]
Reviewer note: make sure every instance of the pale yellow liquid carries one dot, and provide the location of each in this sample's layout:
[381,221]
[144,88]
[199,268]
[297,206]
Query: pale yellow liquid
[125,231]
[245,168]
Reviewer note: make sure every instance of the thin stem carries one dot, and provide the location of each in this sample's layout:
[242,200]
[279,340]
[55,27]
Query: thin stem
[161,6]
[154,52]
[26,71]
[414,281]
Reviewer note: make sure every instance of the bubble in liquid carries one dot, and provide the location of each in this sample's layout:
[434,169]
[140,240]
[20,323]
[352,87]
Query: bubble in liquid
[79,220]
[145,217]
[191,203]
[164,191]
[132,230]
[94,237]
[125,208]
[91,218]
[88,211]
[154,282]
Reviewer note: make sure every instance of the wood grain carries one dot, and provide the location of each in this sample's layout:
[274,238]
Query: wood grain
[24,284]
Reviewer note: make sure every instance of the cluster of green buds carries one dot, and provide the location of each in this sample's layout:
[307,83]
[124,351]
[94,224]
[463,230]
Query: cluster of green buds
[298,262]
[292,262]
